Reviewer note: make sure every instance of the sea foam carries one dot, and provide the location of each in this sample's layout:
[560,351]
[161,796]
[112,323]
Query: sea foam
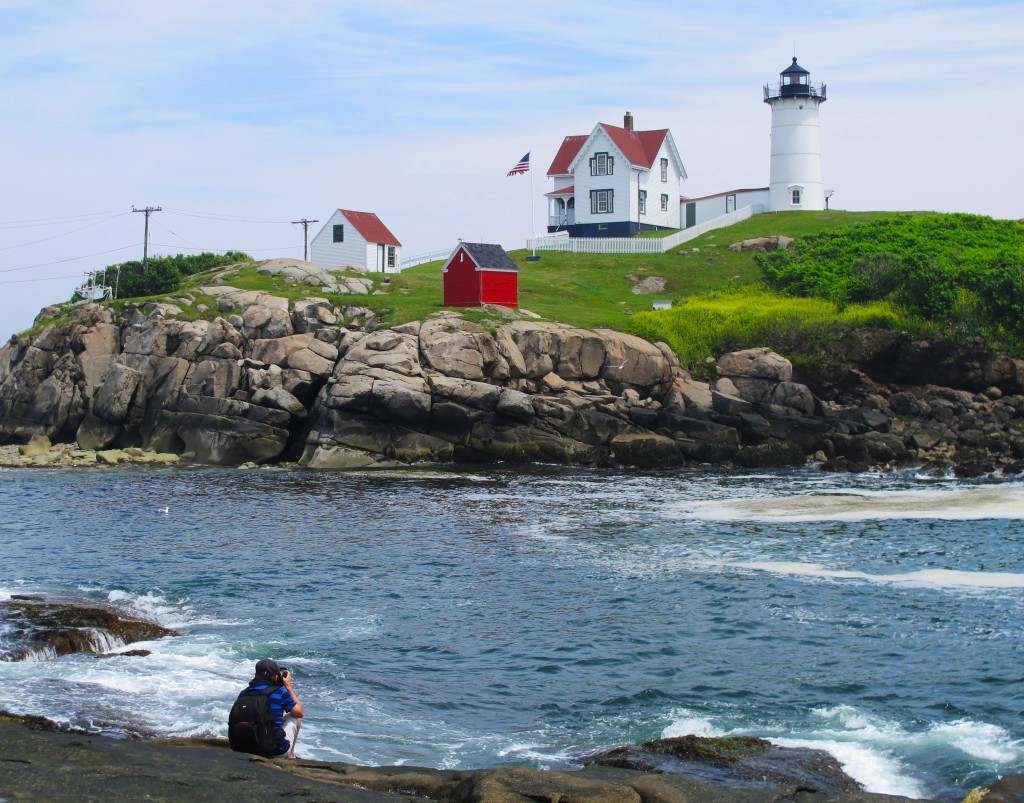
[955,503]
[939,578]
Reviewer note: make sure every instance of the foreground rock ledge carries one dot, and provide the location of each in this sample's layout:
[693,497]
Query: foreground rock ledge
[37,763]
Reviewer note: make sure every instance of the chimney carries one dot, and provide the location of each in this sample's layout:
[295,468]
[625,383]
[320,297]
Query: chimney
[627,121]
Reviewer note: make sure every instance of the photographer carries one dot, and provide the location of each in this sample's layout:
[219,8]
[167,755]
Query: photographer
[266,717]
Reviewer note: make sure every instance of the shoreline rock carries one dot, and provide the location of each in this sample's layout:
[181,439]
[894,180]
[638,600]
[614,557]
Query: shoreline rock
[326,387]
[41,628]
[42,761]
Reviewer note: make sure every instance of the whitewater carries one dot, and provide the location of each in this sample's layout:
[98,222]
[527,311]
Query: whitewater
[474,617]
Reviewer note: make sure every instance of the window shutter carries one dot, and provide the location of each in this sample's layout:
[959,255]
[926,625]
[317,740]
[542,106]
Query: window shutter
[611,165]
[611,200]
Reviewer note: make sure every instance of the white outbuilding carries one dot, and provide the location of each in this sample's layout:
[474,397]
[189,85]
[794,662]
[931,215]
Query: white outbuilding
[358,240]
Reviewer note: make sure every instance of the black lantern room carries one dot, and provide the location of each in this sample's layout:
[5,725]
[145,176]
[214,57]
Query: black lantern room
[794,82]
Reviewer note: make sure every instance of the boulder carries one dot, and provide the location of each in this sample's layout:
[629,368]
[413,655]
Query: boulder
[793,396]
[308,360]
[280,399]
[95,433]
[37,445]
[457,348]
[515,404]
[402,399]
[645,450]
[734,760]
[339,457]
[115,395]
[633,361]
[758,363]
[464,391]
[276,351]
[44,629]
[763,244]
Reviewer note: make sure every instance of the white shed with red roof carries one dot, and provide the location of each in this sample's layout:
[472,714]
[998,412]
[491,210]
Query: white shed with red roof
[615,182]
[358,240]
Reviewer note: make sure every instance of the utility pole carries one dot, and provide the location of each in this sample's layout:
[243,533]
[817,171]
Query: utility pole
[305,235]
[149,210]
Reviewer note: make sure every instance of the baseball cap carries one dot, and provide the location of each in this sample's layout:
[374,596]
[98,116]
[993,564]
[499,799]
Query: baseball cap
[267,667]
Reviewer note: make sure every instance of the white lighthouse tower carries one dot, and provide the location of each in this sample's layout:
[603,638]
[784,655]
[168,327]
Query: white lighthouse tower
[795,175]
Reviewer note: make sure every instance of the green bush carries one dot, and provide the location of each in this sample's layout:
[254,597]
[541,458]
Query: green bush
[164,274]
[961,271]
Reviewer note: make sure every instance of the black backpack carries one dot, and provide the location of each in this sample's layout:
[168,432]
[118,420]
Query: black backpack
[251,723]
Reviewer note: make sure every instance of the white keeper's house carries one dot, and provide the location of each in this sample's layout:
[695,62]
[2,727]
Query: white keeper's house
[615,182]
[358,240]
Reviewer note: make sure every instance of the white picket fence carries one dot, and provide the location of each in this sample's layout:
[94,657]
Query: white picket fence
[424,258]
[561,241]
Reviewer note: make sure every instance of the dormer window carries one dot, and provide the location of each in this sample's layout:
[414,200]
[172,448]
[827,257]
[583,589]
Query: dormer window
[602,165]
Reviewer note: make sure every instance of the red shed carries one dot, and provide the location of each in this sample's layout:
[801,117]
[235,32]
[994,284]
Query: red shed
[480,273]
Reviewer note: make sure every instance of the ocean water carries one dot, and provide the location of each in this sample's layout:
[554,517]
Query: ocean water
[469,618]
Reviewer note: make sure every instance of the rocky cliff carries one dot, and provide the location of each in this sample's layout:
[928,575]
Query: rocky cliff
[328,387]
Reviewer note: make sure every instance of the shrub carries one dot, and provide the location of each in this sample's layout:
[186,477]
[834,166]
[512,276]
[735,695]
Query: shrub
[961,271]
[164,274]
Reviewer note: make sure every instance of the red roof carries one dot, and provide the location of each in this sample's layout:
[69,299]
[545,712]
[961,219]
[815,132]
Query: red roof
[563,191]
[370,227]
[570,147]
[639,147]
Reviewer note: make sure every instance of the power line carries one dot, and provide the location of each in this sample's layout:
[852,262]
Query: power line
[70,259]
[247,250]
[305,235]
[218,216]
[53,221]
[47,279]
[64,234]
[168,230]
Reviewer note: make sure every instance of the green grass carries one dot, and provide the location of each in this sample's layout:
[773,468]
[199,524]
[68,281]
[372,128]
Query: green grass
[595,290]
[804,329]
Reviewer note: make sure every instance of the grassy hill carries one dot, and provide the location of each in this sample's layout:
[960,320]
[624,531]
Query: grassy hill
[720,299]
[592,290]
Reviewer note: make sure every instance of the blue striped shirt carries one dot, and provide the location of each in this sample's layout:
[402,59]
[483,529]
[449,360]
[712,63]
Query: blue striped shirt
[281,703]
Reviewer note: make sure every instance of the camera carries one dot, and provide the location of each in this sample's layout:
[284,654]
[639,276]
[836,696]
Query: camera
[284,670]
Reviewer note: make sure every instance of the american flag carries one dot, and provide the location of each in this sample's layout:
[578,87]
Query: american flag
[522,167]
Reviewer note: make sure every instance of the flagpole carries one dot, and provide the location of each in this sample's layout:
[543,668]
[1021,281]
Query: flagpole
[533,214]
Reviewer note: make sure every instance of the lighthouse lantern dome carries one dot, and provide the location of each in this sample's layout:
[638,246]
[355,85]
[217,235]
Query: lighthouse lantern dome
[794,82]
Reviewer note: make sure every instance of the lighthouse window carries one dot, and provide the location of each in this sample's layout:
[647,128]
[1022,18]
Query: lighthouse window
[602,201]
[602,165]
[796,196]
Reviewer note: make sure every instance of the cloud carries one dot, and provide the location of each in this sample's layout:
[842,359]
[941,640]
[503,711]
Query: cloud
[417,110]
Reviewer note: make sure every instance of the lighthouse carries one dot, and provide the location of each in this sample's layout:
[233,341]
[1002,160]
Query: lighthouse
[795,174]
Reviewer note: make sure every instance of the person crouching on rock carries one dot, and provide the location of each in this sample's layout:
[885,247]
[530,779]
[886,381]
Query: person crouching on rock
[265,718]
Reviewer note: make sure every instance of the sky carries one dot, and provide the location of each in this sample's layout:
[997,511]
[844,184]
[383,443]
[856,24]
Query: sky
[239,117]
